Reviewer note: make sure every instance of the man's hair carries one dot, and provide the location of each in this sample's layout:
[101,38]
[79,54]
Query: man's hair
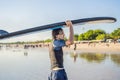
[56,32]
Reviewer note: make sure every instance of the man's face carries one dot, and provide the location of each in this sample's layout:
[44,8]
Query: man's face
[60,36]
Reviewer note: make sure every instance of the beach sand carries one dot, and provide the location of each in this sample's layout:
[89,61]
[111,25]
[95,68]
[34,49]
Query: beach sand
[96,47]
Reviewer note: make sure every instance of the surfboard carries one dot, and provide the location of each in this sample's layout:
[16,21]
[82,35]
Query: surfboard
[5,34]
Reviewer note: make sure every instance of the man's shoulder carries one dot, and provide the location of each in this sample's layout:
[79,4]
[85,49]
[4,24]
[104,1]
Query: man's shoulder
[59,43]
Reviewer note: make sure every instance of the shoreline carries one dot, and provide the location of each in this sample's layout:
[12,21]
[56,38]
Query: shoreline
[79,47]
[96,47]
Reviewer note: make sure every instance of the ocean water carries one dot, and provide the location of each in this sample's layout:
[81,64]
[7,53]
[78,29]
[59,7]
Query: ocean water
[34,64]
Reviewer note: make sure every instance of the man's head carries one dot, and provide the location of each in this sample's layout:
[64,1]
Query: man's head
[58,34]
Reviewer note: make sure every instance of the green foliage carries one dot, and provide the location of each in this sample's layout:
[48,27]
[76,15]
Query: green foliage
[76,37]
[98,32]
[91,34]
[115,34]
[100,37]
[107,36]
[48,40]
[81,37]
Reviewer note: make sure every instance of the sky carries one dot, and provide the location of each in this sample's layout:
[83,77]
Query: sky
[23,14]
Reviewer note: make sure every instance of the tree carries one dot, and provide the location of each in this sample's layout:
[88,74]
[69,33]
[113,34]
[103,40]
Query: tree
[76,37]
[81,37]
[100,37]
[115,34]
[107,36]
[98,32]
[89,35]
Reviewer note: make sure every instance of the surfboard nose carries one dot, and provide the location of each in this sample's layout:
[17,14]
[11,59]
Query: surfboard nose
[3,32]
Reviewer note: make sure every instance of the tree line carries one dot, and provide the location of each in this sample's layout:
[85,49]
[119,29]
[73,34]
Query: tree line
[98,34]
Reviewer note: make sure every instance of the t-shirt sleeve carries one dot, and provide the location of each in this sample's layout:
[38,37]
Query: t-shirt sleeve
[59,43]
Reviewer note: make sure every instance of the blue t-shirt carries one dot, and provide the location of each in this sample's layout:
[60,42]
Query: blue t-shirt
[57,44]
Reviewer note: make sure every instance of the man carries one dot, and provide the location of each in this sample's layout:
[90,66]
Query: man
[56,52]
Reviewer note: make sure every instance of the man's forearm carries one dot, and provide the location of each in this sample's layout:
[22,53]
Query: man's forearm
[71,34]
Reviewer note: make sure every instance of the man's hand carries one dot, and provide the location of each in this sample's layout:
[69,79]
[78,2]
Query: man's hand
[68,23]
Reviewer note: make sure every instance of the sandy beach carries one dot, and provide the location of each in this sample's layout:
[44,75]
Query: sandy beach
[83,47]
[96,47]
